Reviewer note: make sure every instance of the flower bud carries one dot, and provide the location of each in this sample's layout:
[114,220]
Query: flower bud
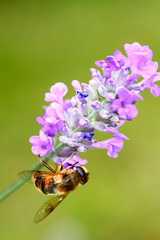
[110,96]
[102,91]
[83,122]
[63,139]
[100,126]
[104,114]
[72,142]
[82,148]
[74,101]
[94,83]
[96,105]
[85,109]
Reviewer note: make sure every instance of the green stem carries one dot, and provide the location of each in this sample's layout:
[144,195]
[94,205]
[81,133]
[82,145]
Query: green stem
[8,191]
[12,188]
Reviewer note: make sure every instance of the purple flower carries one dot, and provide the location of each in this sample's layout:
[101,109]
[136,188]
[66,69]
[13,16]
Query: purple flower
[48,128]
[140,59]
[57,92]
[82,95]
[67,104]
[120,58]
[76,85]
[124,104]
[149,83]
[72,117]
[155,90]
[75,160]
[114,63]
[113,145]
[54,113]
[58,160]
[96,74]
[79,140]
[88,136]
[41,144]
[116,133]
[96,105]
[83,122]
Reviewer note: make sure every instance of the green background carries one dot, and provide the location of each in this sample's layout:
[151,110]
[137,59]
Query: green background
[44,42]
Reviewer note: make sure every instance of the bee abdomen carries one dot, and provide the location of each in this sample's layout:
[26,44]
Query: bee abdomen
[50,187]
[45,184]
[37,181]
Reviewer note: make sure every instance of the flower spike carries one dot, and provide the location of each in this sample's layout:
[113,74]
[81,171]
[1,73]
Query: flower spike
[104,104]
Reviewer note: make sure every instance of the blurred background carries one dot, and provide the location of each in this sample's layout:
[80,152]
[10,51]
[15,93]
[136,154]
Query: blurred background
[44,42]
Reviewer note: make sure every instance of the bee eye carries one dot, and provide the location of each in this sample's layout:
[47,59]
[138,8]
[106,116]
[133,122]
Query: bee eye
[80,171]
[83,176]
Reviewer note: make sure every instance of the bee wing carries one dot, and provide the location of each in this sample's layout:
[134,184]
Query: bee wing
[27,174]
[48,207]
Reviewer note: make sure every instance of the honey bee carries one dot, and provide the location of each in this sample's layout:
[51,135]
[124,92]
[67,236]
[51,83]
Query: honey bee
[58,183]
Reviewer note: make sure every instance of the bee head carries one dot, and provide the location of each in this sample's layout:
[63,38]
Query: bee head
[83,174]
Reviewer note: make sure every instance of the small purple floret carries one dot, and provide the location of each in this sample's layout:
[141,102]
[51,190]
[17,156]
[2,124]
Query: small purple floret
[76,161]
[41,144]
[88,136]
[82,95]
[140,59]
[113,145]
[124,104]
[57,92]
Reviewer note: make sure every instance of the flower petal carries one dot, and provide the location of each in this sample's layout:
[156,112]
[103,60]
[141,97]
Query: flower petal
[155,90]
[131,111]
[123,94]
[116,104]
[76,85]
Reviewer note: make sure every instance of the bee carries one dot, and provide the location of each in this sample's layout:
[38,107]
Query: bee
[58,183]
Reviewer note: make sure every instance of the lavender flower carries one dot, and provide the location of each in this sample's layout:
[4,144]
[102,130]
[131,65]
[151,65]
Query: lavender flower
[41,144]
[124,104]
[113,145]
[104,105]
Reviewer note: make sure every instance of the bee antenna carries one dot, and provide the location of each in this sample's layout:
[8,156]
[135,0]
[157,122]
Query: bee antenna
[67,160]
[74,164]
[70,165]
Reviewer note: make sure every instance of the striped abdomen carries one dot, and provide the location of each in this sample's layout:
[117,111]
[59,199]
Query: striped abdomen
[45,182]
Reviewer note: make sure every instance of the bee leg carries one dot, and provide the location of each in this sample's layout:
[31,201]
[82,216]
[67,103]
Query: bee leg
[67,160]
[56,167]
[46,165]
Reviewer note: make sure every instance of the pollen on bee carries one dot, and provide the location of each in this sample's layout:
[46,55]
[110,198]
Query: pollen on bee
[117,121]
